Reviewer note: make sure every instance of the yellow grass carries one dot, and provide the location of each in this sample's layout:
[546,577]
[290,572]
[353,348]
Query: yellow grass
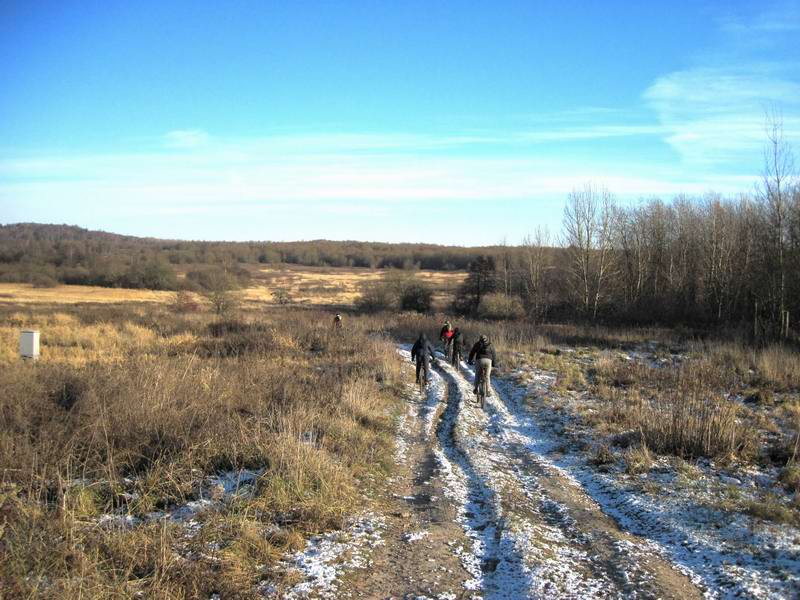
[64,339]
[342,286]
[132,405]
[23,293]
[313,286]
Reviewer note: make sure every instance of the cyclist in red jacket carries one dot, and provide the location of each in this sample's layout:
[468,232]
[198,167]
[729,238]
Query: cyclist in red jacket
[446,337]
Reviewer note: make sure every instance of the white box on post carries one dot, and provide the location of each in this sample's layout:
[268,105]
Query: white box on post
[29,344]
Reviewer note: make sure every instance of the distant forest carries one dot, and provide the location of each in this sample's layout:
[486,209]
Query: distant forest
[709,260]
[71,254]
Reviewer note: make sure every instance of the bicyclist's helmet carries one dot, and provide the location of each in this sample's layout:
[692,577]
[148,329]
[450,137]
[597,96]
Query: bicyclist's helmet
[483,339]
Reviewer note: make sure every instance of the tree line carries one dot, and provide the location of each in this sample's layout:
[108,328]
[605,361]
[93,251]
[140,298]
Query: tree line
[709,260]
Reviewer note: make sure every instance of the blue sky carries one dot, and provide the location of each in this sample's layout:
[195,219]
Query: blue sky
[450,122]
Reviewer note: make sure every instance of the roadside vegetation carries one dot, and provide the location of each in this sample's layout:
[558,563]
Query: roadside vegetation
[133,407]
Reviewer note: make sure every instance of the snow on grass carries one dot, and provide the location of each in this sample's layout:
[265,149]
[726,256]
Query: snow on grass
[415,536]
[326,557]
[213,491]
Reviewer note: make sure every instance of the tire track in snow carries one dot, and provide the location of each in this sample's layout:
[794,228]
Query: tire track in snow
[475,504]
[593,553]
[544,562]
[637,567]
[496,564]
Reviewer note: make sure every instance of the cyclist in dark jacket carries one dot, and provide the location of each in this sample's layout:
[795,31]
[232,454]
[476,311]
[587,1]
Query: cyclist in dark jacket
[422,354]
[483,348]
[483,352]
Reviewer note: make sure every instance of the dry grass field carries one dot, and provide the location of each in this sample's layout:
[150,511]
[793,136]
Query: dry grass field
[306,286]
[320,286]
[122,447]
[23,293]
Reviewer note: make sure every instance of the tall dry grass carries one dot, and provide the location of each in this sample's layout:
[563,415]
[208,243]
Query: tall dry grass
[127,410]
[692,424]
[695,409]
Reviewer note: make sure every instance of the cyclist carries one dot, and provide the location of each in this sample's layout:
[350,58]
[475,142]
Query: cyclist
[484,353]
[445,336]
[422,354]
[458,344]
[337,321]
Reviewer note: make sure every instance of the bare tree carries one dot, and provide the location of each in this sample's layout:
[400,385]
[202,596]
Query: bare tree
[535,266]
[776,196]
[720,252]
[588,218]
[631,239]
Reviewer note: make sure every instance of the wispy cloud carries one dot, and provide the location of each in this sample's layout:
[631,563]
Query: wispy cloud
[261,173]
[715,111]
[713,115]
[339,142]
[186,138]
[340,185]
[782,17]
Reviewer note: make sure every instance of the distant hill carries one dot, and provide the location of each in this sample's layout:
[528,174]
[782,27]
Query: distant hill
[45,254]
[56,233]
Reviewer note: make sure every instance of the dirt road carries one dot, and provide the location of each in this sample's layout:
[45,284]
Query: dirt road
[474,513]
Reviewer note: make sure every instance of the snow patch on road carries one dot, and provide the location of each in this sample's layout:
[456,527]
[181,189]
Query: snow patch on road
[415,536]
[435,394]
[533,558]
[326,557]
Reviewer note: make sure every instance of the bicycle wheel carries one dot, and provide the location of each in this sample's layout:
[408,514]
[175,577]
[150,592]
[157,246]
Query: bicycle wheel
[423,379]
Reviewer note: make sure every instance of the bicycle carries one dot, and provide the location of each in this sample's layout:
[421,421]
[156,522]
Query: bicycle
[422,378]
[482,385]
[447,349]
[455,360]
